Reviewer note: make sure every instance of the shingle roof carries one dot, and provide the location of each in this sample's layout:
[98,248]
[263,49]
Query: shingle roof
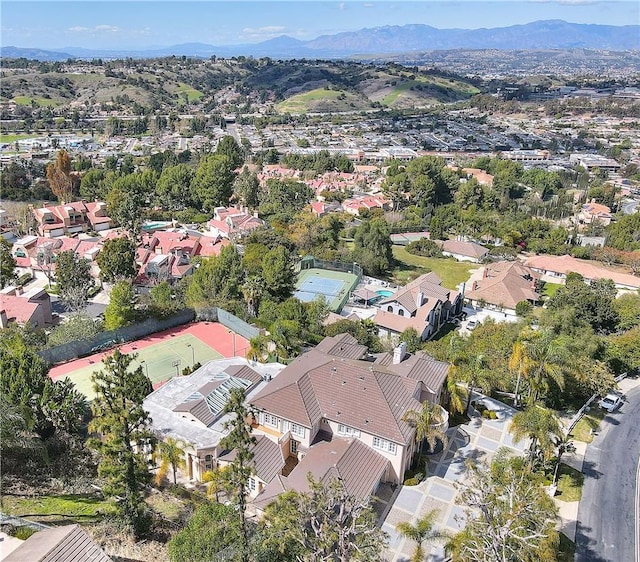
[268,459]
[68,543]
[470,249]
[505,284]
[342,345]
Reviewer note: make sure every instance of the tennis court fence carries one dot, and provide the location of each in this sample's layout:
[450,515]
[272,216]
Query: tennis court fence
[309,262]
[228,320]
[107,340]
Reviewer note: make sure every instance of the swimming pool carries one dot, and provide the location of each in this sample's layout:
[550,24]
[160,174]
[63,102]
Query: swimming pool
[384,293]
[156,225]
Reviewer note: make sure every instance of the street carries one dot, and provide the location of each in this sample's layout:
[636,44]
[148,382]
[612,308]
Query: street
[607,527]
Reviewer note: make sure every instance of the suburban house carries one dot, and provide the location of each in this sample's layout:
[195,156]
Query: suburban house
[463,251]
[557,267]
[595,212]
[32,307]
[353,206]
[66,543]
[337,413]
[229,222]
[482,177]
[71,218]
[424,304]
[503,285]
[189,408]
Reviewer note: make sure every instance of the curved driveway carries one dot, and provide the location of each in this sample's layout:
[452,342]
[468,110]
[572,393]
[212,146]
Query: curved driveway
[607,527]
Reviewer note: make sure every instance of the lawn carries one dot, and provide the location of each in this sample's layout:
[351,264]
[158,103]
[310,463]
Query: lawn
[63,509]
[192,93]
[569,484]
[39,101]
[300,103]
[550,289]
[591,421]
[408,267]
[13,138]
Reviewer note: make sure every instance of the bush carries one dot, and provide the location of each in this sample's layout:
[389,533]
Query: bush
[411,481]
[424,247]
[23,279]
[23,533]
[523,308]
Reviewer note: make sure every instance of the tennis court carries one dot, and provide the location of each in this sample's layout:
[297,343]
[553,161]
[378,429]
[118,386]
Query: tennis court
[162,355]
[334,286]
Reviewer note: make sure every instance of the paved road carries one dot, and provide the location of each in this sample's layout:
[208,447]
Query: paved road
[607,528]
[629,206]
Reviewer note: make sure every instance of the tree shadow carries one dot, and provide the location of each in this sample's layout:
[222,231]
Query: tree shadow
[589,470]
[584,546]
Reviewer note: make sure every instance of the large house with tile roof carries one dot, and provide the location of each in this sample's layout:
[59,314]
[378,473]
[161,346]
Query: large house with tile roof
[336,411]
[31,307]
[503,285]
[71,218]
[462,250]
[423,304]
[230,223]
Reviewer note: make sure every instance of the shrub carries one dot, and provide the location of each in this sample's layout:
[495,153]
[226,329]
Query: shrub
[411,481]
[523,308]
[23,533]
[23,279]
[424,247]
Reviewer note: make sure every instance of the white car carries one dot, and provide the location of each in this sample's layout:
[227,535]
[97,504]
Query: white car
[471,324]
[611,402]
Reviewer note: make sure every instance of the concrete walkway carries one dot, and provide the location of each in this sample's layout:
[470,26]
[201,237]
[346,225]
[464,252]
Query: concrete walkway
[478,440]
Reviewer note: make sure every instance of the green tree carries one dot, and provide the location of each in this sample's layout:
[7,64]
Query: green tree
[509,515]
[73,277]
[217,482]
[211,534]
[372,246]
[7,264]
[253,288]
[164,300]
[231,149]
[419,532]
[121,310]
[240,440]
[125,438]
[327,523]
[541,426]
[170,453]
[173,189]
[95,184]
[278,274]
[429,423]
[213,181]
[246,188]
[117,260]
[628,308]
[78,327]
[411,337]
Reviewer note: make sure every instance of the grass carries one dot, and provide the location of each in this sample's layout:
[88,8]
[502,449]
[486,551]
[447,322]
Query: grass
[13,138]
[169,506]
[301,103]
[192,93]
[550,289]
[409,267]
[570,483]
[63,509]
[566,549]
[39,101]
[591,421]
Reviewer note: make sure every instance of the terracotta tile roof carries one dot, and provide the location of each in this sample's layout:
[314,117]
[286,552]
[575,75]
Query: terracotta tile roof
[68,543]
[268,459]
[424,368]
[505,284]
[210,246]
[589,270]
[18,308]
[342,345]
[470,249]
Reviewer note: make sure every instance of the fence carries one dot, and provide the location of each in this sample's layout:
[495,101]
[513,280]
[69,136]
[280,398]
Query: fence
[228,320]
[310,262]
[21,522]
[107,340]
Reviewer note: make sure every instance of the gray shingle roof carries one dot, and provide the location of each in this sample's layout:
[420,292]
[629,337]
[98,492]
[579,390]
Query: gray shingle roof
[68,543]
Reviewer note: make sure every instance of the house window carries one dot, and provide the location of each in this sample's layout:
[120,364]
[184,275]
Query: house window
[401,312]
[252,484]
[297,429]
[346,430]
[271,420]
[294,447]
[20,254]
[389,308]
[208,462]
[384,445]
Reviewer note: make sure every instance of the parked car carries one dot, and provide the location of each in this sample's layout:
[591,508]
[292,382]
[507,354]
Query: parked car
[611,402]
[471,324]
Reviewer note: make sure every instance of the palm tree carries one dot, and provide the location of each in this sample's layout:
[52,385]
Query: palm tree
[541,426]
[429,424]
[420,532]
[217,481]
[258,348]
[541,359]
[171,454]
[456,391]
[253,289]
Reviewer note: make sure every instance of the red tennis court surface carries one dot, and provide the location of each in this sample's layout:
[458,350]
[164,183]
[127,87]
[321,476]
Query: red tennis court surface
[214,335]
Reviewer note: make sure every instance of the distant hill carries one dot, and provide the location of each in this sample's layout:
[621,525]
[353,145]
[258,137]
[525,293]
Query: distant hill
[548,34]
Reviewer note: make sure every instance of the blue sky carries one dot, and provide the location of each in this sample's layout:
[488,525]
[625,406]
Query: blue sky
[52,24]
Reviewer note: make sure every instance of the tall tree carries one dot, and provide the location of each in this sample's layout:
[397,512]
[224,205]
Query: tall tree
[253,288]
[213,181]
[246,187]
[125,437]
[240,440]
[541,426]
[121,310]
[372,246]
[509,515]
[278,273]
[73,278]
[429,423]
[7,264]
[419,532]
[231,149]
[173,189]
[59,176]
[170,453]
[117,260]
[327,523]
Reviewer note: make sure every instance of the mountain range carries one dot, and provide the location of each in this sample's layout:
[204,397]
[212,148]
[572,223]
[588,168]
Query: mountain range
[547,34]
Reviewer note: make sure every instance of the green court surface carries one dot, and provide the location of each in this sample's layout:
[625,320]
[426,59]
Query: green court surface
[333,286]
[157,360]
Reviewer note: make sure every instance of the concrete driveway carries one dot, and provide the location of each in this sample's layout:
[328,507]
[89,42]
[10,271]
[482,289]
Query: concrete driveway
[478,439]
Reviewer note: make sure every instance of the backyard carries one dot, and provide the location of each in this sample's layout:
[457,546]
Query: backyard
[408,267]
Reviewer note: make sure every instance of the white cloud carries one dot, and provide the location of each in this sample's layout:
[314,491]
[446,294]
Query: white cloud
[78,29]
[266,30]
[109,28]
[96,29]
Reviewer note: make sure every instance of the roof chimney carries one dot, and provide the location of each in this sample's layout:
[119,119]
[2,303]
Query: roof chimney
[399,353]
[419,299]
[4,322]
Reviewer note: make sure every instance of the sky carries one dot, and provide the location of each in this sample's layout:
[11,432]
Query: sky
[52,24]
